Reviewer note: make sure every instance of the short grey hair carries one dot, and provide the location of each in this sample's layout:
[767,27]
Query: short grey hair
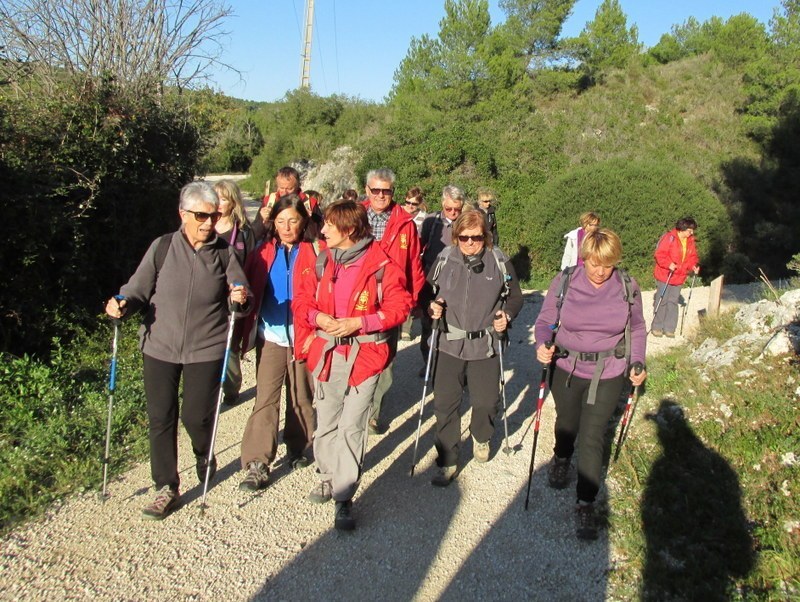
[383,173]
[454,193]
[195,193]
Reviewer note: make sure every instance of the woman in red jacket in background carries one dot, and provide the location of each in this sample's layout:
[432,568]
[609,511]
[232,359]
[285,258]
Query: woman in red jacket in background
[676,256]
[352,300]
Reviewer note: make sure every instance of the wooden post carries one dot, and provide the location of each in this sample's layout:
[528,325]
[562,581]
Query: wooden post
[715,296]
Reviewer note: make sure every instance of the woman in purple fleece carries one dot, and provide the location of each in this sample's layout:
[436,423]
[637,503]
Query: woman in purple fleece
[593,354]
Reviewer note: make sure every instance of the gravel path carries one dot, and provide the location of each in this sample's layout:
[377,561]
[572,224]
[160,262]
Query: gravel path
[413,542]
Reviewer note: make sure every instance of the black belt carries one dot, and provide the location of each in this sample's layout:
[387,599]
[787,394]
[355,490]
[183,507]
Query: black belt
[475,334]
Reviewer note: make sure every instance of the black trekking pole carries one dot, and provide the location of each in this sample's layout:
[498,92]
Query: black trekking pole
[235,308]
[112,385]
[686,307]
[428,364]
[507,449]
[661,298]
[538,414]
[630,409]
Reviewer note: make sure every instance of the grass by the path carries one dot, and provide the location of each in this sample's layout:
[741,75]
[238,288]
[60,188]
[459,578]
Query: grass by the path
[704,498]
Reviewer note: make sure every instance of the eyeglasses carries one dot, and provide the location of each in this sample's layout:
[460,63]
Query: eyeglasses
[466,238]
[412,203]
[486,200]
[202,216]
[452,209]
[381,191]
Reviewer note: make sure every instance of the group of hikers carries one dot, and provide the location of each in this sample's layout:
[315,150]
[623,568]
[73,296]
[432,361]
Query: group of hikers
[323,296]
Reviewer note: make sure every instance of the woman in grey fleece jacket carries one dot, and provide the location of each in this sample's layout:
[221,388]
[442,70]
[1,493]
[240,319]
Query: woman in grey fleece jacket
[471,285]
[184,330]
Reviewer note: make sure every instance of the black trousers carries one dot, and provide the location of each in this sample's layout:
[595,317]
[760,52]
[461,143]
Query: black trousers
[577,420]
[200,390]
[452,374]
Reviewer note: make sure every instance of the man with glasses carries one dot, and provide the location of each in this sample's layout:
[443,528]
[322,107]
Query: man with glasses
[435,235]
[397,234]
[486,201]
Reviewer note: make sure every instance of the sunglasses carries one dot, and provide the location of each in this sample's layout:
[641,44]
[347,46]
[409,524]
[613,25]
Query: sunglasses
[381,191]
[202,216]
[452,209]
[465,238]
[412,204]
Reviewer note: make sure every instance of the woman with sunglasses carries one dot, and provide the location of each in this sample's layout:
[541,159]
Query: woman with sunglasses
[185,294]
[415,206]
[353,299]
[234,228]
[273,271]
[477,295]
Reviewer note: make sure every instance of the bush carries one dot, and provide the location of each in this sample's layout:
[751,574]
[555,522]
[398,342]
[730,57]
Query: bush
[53,421]
[640,200]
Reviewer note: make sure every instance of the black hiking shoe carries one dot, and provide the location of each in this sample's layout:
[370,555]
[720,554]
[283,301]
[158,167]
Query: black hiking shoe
[299,461]
[558,473]
[166,501]
[587,521]
[342,519]
[376,428]
[202,463]
[257,477]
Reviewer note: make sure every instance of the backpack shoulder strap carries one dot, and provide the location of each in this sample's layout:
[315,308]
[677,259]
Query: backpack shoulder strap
[442,259]
[322,260]
[162,249]
[563,286]
[498,257]
[629,297]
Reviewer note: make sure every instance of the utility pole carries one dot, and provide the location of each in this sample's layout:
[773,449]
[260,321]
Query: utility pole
[305,66]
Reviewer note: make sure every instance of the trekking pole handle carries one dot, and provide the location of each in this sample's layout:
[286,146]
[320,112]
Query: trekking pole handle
[637,367]
[118,321]
[441,303]
[236,307]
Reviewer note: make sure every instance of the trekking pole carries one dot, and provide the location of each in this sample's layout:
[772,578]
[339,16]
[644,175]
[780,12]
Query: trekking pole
[661,298]
[627,415]
[507,449]
[235,308]
[686,307]
[434,338]
[112,385]
[538,414]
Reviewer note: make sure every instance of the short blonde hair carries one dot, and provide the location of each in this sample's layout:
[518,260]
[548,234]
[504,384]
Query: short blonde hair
[603,246]
[472,218]
[229,191]
[588,218]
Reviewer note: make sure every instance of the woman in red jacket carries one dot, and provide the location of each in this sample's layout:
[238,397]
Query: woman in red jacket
[278,339]
[676,256]
[353,297]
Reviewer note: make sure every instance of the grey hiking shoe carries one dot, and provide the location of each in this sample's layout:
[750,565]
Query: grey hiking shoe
[165,502]
[480,451]
[587,521]
[444,476]
[321,493]
[257,477]
[558,473]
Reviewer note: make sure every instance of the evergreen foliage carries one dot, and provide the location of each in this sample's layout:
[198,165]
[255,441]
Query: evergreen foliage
[621,191]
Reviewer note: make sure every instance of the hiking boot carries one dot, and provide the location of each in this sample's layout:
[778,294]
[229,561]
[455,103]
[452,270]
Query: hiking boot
[298,461]
[480,451]
[321,493]
[342,519]
[587,521]
[202,462]
[444,475]
[558,473]
[670,335]
[375,427]
[657,333]
[231,400]
[256,478]
[166,501]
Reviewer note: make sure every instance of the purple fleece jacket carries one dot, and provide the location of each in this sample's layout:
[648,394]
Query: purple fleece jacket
[592,320]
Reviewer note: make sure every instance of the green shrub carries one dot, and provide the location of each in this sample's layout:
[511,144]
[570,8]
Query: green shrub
[53,421]
[640,200]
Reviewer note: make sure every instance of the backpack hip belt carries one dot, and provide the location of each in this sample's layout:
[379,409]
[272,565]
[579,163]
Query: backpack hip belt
[592,356]
[355,345]
[454,333]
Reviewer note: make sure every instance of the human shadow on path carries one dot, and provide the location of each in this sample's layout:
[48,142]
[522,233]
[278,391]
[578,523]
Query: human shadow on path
[697,534]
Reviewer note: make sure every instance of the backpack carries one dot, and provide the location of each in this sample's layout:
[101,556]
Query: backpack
[628,297]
